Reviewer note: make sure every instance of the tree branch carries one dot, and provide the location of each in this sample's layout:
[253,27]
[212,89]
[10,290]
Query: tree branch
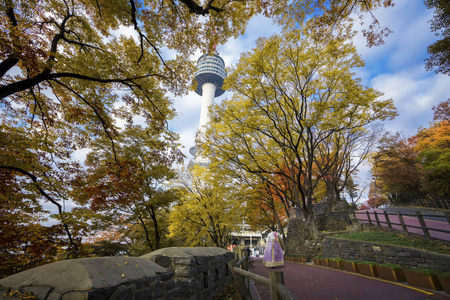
[19,86]
[46,196]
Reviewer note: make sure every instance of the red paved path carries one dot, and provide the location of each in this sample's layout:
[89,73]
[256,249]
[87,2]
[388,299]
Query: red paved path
[311,282]
[409,221]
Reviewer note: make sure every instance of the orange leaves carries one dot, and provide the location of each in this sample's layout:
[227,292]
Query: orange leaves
[418,166]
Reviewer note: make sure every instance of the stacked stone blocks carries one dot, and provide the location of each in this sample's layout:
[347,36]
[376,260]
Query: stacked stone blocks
[170,273]
[403,256]
[200,273]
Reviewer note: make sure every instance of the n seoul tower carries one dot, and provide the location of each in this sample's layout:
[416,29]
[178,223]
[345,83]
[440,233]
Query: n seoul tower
[210,73]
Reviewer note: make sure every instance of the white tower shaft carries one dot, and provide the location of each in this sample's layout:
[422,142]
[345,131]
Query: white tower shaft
[209,89]
[209,76]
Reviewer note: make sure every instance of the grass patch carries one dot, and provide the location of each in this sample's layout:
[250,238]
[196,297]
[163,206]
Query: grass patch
[392,266]
[396,239]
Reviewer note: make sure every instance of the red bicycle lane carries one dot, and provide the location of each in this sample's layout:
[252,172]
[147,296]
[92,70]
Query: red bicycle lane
[307,281]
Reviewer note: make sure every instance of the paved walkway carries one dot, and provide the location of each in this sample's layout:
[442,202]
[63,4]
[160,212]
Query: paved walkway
[310,282]
[409,220]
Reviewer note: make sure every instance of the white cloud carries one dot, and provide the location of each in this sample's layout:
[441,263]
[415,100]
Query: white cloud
[259,26]
[411,34]
[80,155]
[126,31]
[414,92]
[397,68]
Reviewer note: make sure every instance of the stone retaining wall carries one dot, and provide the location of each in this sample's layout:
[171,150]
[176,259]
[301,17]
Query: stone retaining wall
[297,243]
[403,256]
[333,221]
[170,273]
[200,273]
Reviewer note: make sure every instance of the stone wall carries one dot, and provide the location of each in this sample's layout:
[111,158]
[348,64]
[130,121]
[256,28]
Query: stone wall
[333,221]
[365,251]
[297,243]
[170,273]
[200,273]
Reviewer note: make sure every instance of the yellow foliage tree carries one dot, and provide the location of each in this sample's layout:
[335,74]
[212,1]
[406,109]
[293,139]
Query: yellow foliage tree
[291,93]
[208,212]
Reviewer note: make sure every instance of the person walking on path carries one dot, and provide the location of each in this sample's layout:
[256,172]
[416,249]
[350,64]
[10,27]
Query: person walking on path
[273,255]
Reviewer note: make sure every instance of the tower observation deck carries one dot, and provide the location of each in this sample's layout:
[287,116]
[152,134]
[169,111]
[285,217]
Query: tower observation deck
[209,75]
[210,69]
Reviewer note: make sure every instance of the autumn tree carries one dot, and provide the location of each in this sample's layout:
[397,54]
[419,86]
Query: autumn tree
[325,16]
[24,241]
[353,192]
[433,148]
[291,93]
[208,210]
[396,171]
[405,170]
[68,71]
[129,189]
[265,205]
[29,166]
[376,196]
[339,156]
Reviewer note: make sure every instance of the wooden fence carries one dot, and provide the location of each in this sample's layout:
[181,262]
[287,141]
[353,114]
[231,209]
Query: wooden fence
[396,221]
[445,204]
[275,281]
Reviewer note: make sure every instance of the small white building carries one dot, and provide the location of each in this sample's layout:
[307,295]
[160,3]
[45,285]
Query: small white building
[248,238]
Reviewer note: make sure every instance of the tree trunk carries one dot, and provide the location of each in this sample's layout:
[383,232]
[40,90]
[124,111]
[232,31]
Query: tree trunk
[331,196]
[313,232]
[155,226]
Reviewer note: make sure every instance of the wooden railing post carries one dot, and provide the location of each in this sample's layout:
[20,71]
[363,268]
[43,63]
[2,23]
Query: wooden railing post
[447,215]
[275,277]
[239,281]
[400,218]
[245,263]
[368,218]
[386,216]
[426,233]
[237,252]
[376,218]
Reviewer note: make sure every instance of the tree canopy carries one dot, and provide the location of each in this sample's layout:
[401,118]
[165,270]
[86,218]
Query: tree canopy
[292,92]
[208,210]
[409,169]
[74,74]
[133,194]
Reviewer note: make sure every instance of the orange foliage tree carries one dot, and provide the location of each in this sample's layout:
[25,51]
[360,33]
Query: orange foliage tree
[405,170]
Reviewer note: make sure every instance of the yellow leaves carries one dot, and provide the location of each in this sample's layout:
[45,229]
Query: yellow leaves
[208,209]
[21,295]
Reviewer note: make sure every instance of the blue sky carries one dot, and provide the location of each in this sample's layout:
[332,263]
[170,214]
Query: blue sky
[396,68]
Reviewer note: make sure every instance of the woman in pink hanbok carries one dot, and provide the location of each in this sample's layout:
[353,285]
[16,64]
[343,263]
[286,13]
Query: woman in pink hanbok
[273,255]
